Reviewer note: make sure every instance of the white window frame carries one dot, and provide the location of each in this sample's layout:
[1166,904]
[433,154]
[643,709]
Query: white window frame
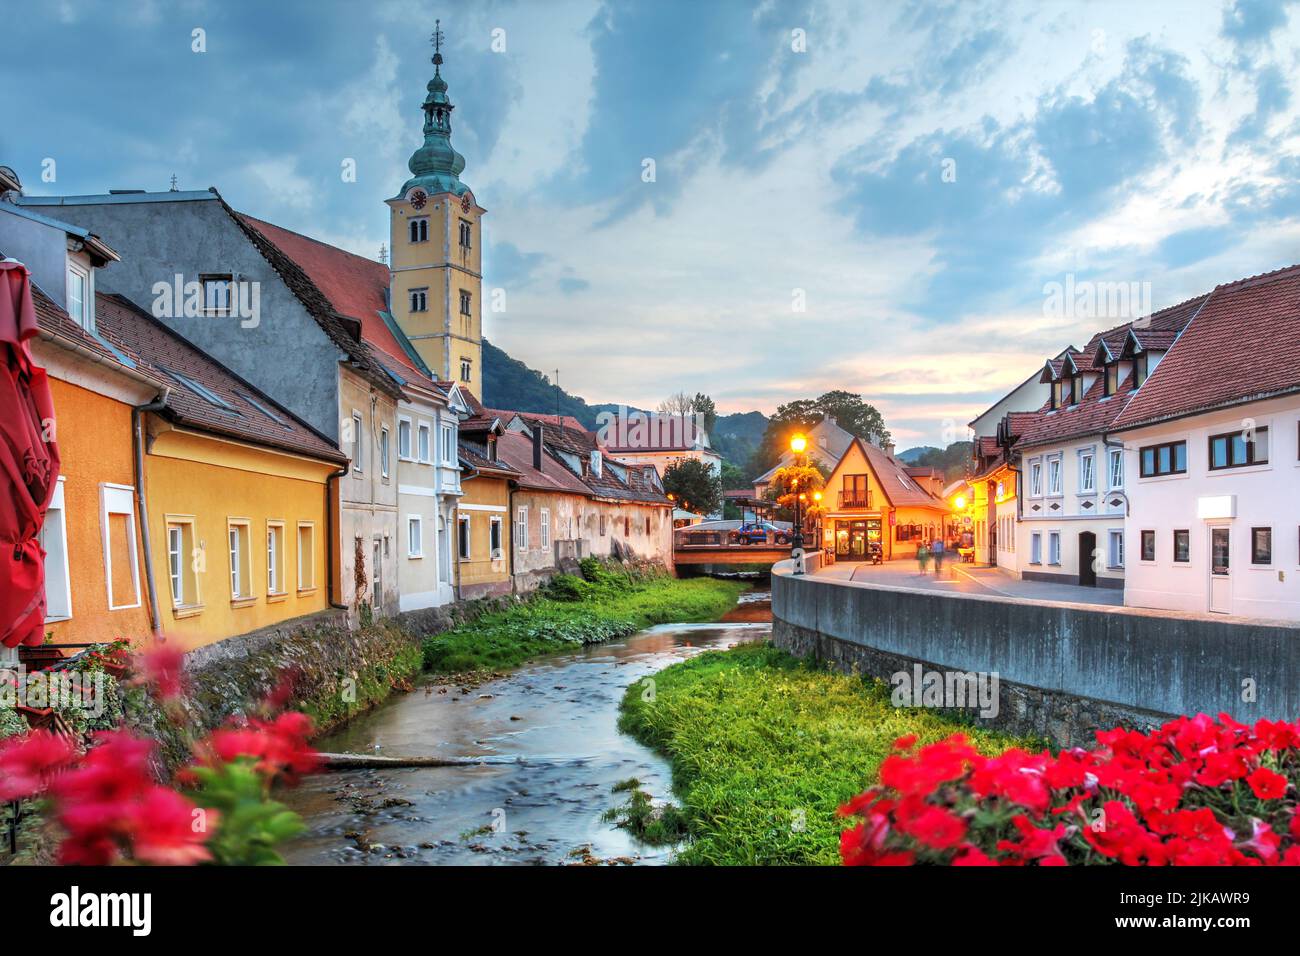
[424,444]
[1116,456]
[1115,548]
[1036,478]
[54,540]
[1089,456]
[521,527]
[1055,484]
[496,529]
[308,584]
[275,584]
[237,582]
[464,538]
[1054,548]
[358,443]
[1036,548]
[87,317]
[119,500]
[405,427]
[448,443]
[383,451]
[415,525]
[544,535]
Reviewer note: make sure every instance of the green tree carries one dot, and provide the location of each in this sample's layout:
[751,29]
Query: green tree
[847,408]
[954,461]
[694,486]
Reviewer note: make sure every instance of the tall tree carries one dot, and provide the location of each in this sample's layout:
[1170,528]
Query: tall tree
[847,408]
[680,403]
[693,486]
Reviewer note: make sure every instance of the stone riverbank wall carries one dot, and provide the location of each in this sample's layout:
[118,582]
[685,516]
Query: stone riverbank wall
[1064,670]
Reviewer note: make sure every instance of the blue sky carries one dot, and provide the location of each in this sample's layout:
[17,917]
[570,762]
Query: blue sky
[913,173]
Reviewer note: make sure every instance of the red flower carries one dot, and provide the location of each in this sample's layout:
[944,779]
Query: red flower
[1267,784]
[27,763]
[935,827]
[163,666]
[906,742]
[168,831]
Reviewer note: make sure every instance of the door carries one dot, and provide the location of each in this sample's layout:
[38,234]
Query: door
[1088,559]
[1221,570]
[376,569]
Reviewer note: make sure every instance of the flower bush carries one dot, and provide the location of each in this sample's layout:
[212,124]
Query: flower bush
[110,807]
[1198,792]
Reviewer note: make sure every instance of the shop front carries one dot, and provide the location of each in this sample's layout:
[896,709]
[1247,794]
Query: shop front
[854,536]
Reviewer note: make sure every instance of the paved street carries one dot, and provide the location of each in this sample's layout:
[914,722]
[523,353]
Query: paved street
[969,580]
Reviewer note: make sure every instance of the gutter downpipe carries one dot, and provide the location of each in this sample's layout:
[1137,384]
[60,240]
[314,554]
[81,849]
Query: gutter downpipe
[332,546]
[142,508]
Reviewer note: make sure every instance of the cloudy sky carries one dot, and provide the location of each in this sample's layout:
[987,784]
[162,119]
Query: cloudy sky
[872,196]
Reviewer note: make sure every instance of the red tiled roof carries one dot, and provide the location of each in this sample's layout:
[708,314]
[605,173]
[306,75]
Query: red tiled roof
[1243,345]
[356,287]
[54,320]
[516,450]
[580,443]
[1096,412]
[477,459]
[164,354]
[568,421]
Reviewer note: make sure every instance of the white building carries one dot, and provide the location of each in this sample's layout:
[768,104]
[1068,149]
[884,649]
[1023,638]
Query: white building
[1071,526]
[1212,455]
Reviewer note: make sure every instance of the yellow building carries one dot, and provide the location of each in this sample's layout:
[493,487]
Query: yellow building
[870,498]
[436,290]
[483,531]
[238,494]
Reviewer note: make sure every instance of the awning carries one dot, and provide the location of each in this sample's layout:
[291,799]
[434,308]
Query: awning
[29,463]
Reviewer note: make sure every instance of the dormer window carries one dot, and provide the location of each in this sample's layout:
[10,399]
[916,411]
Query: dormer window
[1057,391]
[419,229]
[79,302]
[1140,371]
[1112,378]
[1076,389]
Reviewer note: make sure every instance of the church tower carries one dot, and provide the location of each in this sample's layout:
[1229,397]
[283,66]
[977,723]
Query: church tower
[435,269]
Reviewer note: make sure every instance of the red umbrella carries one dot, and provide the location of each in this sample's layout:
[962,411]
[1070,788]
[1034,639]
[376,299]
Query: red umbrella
[29,463]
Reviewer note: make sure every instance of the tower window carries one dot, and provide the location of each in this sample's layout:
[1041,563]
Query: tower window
[420,300]
[465,234]
[466,370]
[419,229]
[465,303]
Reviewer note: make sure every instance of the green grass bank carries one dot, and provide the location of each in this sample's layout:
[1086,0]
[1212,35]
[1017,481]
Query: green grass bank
[765,748]
[606,602]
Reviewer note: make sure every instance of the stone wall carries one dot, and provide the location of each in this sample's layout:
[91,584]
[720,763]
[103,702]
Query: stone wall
[1064,670]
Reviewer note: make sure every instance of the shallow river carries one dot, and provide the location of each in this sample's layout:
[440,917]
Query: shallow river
[549,733]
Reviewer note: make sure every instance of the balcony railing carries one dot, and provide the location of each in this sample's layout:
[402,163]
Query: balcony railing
[855,499]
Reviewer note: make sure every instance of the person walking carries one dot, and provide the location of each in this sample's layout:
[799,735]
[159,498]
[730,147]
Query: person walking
[938,556]
[922,556]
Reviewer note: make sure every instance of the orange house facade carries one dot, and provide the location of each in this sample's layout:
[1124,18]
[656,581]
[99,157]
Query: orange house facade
[869,499]
[95,580]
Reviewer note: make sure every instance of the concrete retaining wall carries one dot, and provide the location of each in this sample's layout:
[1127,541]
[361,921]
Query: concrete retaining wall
[1064,669]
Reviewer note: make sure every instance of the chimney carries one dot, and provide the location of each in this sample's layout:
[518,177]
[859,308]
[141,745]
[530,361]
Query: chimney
[889,448]
[537,446]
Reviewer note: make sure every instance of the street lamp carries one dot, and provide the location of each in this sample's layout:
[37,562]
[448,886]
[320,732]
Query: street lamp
[797,445]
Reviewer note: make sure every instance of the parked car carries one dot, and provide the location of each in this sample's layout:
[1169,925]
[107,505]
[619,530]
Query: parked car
[757,532]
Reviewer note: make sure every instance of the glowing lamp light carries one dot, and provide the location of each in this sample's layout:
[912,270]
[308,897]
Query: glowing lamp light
[817,496]
[959,502]
[798,443]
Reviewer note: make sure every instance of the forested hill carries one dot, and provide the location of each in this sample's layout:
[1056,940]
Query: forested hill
[509,383]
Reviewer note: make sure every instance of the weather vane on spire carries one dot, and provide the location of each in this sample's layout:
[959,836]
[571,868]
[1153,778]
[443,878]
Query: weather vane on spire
[436,40]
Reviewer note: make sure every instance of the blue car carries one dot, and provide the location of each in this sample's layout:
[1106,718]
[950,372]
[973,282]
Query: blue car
[758,532]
